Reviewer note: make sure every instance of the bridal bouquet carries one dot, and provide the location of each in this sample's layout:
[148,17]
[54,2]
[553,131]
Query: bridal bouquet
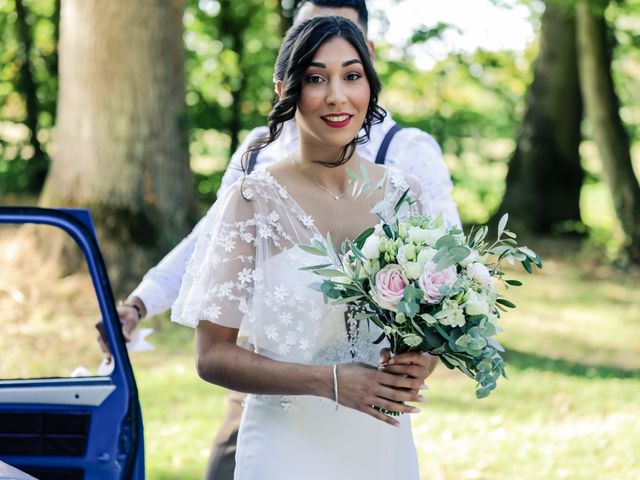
[428,287]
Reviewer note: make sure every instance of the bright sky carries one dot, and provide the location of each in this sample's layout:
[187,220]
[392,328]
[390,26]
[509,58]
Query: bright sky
[481,24]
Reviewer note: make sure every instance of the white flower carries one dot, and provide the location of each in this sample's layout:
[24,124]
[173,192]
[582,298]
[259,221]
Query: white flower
[271,331]
[371,247]
[479,274]
[285,318]
[371,267]
[451,314]
[406,253]
[426,236]
[426,255]
[472,257]
[244,276]
[476,306]
[212,312]
[280,292]
[412,270]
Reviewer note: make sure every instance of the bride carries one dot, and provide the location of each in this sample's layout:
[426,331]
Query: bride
[315,377]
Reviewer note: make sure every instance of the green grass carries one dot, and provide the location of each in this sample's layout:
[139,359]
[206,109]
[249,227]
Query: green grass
[569,409]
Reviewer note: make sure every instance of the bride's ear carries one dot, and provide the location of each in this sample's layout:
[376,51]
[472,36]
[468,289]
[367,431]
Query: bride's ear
[279,88]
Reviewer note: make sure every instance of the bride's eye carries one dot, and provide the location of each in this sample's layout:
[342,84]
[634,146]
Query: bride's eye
[352,76]
[314,78]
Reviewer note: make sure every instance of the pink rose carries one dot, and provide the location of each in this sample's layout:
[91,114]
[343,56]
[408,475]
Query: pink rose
[431,281]
[389,286]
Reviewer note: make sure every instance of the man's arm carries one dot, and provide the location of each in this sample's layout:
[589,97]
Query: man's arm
[417,154]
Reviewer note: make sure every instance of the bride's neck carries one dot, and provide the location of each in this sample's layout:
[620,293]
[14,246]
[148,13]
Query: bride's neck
[312,163]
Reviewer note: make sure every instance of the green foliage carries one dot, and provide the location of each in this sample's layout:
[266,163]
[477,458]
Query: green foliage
[215,69]
[18,166]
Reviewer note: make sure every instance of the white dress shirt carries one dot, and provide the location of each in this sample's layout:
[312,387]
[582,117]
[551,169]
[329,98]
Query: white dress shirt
[411,151]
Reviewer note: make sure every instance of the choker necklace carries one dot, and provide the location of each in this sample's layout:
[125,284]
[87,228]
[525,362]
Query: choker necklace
[335,196]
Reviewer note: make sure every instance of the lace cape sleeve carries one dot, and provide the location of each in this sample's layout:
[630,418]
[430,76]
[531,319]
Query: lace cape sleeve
[218,283]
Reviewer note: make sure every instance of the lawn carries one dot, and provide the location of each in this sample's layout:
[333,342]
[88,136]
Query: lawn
[569,409]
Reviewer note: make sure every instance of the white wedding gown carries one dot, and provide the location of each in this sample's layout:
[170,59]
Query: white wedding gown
[245,274]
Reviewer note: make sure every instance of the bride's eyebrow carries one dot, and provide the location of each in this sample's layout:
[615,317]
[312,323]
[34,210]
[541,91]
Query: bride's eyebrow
[344,64]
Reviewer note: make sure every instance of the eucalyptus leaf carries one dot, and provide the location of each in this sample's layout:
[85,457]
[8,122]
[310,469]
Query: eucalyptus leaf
[312,250]
[314,267]
[329,272]
[502,224]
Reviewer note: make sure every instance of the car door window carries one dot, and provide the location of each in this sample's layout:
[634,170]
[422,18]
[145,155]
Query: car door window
[48,306]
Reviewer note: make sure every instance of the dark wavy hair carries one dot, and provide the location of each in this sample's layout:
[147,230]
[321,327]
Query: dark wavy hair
[359,6]
[296,53]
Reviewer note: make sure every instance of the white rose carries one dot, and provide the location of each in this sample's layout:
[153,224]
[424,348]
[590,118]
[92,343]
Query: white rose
[426,255]
[371,247]
[479,274]
[412,270]
[472,257]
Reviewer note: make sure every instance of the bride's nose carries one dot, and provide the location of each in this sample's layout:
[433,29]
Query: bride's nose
[336,94]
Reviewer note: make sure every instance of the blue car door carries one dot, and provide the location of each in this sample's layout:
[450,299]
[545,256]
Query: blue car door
[74,427]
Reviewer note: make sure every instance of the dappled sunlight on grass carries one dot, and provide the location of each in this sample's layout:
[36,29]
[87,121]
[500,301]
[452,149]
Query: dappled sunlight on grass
[569,409]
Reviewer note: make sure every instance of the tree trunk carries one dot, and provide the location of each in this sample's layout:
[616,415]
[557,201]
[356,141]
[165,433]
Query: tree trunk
[602,108]
[545,175]
[120,139]
[38,163]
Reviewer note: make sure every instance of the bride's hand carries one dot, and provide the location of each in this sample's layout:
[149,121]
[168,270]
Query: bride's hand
[413,365]
[363,387]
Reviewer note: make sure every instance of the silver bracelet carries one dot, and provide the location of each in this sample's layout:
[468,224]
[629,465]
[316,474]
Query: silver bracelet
[335,384]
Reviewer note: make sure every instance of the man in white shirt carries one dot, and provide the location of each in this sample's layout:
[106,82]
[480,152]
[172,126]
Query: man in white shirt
[407,149]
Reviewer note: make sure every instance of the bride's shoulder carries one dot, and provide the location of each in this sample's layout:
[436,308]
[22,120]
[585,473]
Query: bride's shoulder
[258,186]
[399,181]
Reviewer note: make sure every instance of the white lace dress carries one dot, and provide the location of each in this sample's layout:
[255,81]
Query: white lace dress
[245,274]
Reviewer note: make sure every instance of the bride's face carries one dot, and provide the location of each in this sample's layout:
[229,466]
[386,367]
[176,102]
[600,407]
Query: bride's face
[334,96]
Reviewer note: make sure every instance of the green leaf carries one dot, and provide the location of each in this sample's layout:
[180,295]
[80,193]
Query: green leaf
[515,283]
[446,241]
[506,303]
[360,239]
[387,231]
[313,267]
[401,201]
[356,251]
[502,224]
[312,250]
[329,272]
[527,265]
[343,300]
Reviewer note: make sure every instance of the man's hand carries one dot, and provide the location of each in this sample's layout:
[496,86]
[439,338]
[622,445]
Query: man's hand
[129,319]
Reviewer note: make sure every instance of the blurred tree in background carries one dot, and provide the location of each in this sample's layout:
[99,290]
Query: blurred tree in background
[121,138]
[595,43]
[545,176]
[509,121]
